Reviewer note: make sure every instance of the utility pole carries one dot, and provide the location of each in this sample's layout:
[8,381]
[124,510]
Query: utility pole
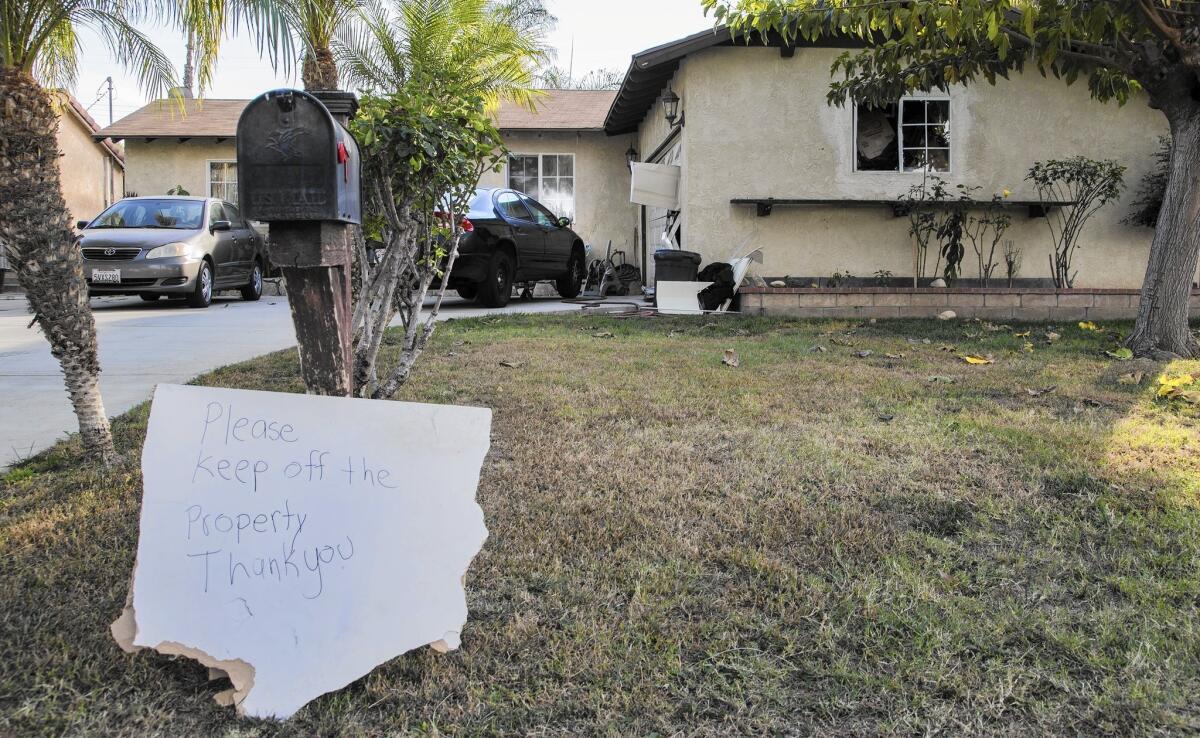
[108,82]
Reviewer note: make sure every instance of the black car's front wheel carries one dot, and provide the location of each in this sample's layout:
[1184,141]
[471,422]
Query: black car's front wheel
[497,288]
[201,297]
[571,284]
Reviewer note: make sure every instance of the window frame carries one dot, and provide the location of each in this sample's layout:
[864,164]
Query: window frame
[541,175]
[208,183]
[900,137]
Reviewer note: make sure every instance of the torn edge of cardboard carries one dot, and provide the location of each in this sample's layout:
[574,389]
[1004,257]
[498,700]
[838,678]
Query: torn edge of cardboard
[239,673]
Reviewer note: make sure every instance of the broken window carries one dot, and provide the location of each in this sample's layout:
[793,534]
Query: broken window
[912,135]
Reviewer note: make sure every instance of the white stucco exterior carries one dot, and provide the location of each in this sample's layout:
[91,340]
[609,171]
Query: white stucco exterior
[757,125]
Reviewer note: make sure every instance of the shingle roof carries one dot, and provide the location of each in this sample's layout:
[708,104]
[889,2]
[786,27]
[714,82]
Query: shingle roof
[570,110]
[167,119]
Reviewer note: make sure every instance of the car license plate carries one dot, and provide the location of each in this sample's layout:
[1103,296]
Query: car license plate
[106,276]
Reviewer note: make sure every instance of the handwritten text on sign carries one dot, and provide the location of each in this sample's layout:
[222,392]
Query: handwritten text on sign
[296,542]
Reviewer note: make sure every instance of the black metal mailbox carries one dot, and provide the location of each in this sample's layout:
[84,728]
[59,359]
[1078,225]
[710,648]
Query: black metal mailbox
[295,162]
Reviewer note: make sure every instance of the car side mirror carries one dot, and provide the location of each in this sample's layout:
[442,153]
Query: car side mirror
[220,225]
[81,224]
[564,222]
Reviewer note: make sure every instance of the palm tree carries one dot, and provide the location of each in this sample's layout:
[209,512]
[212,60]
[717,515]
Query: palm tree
[473,47]
[38,44]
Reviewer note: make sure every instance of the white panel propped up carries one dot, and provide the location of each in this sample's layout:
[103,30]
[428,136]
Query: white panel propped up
[656,185]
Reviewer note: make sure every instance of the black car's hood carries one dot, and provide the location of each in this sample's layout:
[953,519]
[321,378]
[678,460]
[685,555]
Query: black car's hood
[146,238]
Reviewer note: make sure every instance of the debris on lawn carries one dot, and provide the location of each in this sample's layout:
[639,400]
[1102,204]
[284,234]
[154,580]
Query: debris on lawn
[1026,334]
[1132,378]
[1121,354]
[602,334]
[779,283]
[1090,326]
[510,364]
[941,380]
[1027,347]
[1135,372]
[1179,387]
[731,359]
[948,315]
[948,348]
[1040,392]
[993,328]
[894,356]
[1051,336]
[886,418]
[864,354]
[818,350]
[977,360]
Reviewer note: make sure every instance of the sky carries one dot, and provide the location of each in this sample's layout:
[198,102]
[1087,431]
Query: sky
[603,33]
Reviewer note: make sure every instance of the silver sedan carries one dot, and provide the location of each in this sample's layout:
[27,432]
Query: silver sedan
[182,247]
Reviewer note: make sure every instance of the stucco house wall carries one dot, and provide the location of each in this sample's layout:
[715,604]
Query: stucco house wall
[602,208]
[154,167]
[757,126]
[91,176]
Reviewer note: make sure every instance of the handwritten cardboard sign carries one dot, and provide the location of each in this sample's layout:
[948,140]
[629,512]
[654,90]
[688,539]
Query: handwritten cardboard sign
[293,543]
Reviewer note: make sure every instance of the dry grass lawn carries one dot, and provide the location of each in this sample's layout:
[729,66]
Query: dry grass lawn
[814,543]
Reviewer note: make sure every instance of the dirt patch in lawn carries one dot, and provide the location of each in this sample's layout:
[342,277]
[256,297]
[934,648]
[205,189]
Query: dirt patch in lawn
[816,542]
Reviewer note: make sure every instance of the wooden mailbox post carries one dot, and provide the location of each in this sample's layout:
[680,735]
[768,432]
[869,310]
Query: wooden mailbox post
[298,171]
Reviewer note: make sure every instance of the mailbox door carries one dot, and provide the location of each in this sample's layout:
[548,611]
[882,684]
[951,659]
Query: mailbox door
[223,253]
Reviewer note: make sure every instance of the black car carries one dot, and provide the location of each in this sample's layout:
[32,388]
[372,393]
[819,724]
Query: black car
[510,238]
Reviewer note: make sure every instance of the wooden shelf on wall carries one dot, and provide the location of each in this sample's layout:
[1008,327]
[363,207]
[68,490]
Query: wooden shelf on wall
[766,205]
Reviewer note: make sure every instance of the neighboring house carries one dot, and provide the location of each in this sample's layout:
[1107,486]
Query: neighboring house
[560,156]
[92,169]
[752,124]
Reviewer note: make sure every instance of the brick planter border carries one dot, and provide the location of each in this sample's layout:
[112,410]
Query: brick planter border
[992,303]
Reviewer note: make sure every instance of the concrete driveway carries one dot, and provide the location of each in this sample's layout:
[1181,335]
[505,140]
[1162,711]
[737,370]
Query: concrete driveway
[142,344]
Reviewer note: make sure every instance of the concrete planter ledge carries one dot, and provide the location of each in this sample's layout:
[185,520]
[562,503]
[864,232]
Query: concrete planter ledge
[991,303]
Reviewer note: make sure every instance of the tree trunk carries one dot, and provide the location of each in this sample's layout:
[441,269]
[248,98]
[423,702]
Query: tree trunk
[35,228]
[320,71]
[189,65]
[1162,324]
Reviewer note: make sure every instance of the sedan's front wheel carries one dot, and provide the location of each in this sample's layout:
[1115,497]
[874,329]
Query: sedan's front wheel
[495,291]
[201,297]
[252,291]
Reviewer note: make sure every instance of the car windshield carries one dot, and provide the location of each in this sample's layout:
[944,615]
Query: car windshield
[182,215]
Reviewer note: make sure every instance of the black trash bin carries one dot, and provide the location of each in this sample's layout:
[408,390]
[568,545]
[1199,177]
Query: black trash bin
[671,265]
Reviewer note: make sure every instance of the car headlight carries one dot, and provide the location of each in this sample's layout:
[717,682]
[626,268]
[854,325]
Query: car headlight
[170,250]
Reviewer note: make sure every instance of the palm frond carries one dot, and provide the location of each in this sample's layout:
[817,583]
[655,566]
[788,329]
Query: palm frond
[131,48]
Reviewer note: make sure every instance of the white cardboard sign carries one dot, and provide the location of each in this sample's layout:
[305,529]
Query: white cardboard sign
[296,542]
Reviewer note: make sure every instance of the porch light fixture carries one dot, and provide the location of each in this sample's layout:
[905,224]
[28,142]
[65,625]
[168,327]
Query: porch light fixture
[670,103]
[631,157]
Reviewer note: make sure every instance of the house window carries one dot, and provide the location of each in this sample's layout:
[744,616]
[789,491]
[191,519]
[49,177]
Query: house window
[222,180]
[547,178]
[912,135]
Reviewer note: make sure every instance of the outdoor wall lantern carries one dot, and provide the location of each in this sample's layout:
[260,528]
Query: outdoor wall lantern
[670,103]
[631,157]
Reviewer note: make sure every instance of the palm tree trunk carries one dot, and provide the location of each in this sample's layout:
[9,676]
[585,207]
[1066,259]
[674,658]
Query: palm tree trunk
[1162,323]
[320,70]
[35,227]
